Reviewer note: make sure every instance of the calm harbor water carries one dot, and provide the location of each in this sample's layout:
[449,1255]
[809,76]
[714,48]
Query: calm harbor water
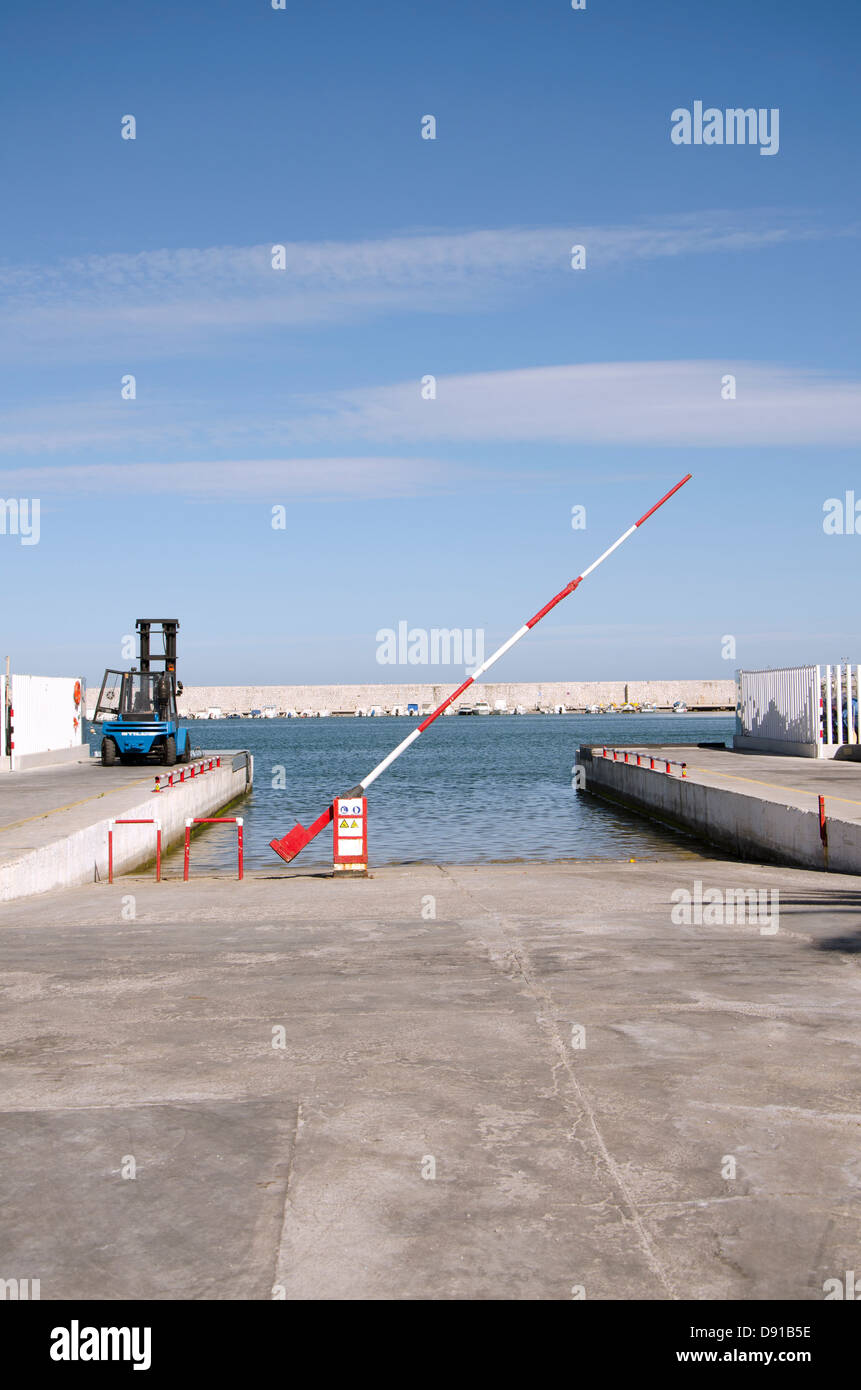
[470,790]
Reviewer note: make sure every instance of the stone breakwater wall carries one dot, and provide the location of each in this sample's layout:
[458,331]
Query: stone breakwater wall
[236,699]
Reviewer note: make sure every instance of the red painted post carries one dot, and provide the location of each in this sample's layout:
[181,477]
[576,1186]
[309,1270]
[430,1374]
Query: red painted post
[214,820]
[823,828]
[192,769]
[668,766]
[652,764]
[218,762]
[638,760]
[138,821]
[684,769]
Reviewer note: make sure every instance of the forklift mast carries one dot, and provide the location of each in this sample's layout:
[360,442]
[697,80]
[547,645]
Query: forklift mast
[166,628]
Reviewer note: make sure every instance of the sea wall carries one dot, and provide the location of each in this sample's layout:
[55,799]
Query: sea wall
[234,699]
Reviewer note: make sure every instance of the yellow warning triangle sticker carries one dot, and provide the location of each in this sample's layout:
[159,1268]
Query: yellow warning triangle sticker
[355,825]
[343,825]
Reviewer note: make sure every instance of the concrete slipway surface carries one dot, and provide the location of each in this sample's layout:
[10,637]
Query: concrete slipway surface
[413,1042]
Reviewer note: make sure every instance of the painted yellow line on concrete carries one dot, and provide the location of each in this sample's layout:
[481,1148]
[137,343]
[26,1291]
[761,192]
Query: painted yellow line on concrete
[778,786]
[43,815]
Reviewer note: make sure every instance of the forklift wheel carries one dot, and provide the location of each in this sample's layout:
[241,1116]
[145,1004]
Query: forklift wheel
[110,754]
[186,756]
[169,751]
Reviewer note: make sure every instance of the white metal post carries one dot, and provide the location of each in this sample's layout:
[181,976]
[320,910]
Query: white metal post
[828,738]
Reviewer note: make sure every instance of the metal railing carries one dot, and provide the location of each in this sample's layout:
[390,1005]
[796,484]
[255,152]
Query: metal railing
[632,757]
[213,820]
[148,821]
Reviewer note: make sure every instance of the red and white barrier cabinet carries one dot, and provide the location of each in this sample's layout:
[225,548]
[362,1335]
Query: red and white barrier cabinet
[350,820]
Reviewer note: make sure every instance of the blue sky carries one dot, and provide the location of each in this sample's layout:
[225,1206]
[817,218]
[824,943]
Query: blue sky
[408,257]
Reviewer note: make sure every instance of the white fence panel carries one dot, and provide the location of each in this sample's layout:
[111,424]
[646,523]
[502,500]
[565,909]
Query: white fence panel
[840,685]
[46,717]
[781,704]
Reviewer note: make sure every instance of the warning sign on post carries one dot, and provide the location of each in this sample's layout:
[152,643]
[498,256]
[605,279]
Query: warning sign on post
[350,839]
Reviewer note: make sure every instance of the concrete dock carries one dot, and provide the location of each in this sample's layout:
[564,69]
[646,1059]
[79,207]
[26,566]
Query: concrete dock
[54,820]
[756,806]
[506,1082]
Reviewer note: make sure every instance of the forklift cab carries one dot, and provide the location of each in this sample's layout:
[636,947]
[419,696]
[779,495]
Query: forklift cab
[131,696]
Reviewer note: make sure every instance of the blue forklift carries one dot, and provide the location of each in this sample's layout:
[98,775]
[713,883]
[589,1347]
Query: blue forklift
[137,708]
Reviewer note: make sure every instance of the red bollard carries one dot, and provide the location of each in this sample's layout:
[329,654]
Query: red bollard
[147,821]
[213,820]
[823,828]
[652,764]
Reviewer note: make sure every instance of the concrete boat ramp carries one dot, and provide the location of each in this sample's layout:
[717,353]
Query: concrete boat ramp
[505,1082]
[54,820]
[552,1081]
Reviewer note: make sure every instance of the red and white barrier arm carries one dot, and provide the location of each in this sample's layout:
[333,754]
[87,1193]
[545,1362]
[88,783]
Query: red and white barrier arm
[297,838]
[506,646]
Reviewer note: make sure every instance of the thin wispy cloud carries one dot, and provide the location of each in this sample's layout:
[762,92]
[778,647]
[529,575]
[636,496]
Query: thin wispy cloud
[638,403]
[171,298]
[641,404]
[276,480]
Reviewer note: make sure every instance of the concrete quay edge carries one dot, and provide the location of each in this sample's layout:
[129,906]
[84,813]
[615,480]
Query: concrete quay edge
[81,856]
